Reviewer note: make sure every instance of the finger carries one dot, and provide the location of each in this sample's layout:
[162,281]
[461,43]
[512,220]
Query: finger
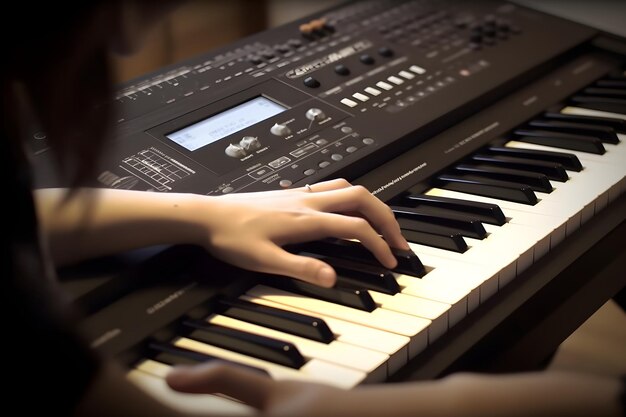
[334,184]
[359,199]
[245,385]
[278,261]
[322,225]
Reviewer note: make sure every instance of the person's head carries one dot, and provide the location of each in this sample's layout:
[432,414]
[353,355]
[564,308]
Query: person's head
[57,76]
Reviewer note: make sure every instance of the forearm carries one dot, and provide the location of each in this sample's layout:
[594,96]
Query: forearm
[100,222]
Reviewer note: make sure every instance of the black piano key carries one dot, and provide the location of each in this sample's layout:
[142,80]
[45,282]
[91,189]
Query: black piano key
[536,181]
[605,92]
[561,140]
[611,83]
[611,105]
[408,262]
[604,133]
[487,213]
[297,324]
[552,170]
[618,125]
[452,242]
[459,223]
[357,298]
[358,275]
[262,347]
[518,194]
[569,161]
[174,355]
[426,227]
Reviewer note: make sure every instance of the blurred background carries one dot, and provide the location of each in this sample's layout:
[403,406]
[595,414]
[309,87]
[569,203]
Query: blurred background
[198,26]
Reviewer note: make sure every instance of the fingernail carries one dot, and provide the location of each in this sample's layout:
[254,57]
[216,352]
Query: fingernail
[326,276]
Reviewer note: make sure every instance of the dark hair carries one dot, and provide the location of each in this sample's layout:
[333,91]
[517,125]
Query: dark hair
[57,77]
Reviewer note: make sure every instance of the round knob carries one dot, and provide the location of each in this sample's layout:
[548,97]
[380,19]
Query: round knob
[235,151]
[280,129]
[250,143]
[315,114]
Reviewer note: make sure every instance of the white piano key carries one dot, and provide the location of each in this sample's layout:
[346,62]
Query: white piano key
[579,111]
[373,363]
[444,284]
[434,311]
[392,344]
[313,370]
[150,377]
[415,328]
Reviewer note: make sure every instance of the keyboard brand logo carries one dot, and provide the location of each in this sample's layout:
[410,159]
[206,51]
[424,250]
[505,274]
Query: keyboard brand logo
[170,298]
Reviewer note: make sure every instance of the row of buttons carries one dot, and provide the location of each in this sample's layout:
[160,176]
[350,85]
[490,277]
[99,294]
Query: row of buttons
[384,85]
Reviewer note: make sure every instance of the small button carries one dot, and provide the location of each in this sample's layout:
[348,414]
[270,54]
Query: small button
[227,190]
[417,69]
[361,97]
[384,85]
[296,43]
[372,91]
[253,59]
[346,129]
[280,129]
[336,157]
[348,102]
[321,142]
[342,69]
[267,54]
[323,164]
[385,51]
[395,80]
[311,82]
[351,149]
[315,114]
[310,171]
[285,183]
[368,141]
[367,59]
[406,74]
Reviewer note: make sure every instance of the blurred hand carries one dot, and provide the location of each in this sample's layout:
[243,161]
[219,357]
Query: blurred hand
[249,230]
[275,398]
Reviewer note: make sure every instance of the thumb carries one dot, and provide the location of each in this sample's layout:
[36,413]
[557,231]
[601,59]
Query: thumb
[279,261]
[250,387]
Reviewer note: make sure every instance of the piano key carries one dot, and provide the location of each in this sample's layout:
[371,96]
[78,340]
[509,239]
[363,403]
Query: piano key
[356,275]
[604,133]
[536,181]
[480,282]
[611,83]
[349,297]
[371,362]
[407,224]
[510,191]
[561,140]
[569,161]
[487,213]
[394,345]
[453,242]
[554,171]
[616,124]
[149,376]
[457,222]
[612,105]
[580,111]
[173,355]
[605,92]
[408,262]
[415,328]
[614,158]
[435,311]
[298,324]
[277,351]
[313,370]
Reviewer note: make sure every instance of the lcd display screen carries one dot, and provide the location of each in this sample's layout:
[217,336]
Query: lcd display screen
[226,123]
